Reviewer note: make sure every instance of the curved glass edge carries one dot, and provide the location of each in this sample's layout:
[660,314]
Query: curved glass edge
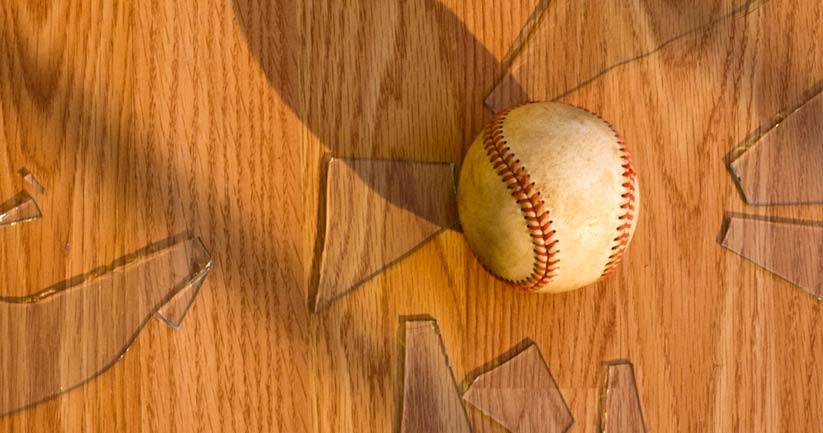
[180,297]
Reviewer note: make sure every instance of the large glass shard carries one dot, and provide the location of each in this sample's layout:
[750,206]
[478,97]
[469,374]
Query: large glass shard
[791,250]
[784,164]
[606,34]
[621,411]
[63,336]
[19,209]
[521,395]
[377,212]
[430,399]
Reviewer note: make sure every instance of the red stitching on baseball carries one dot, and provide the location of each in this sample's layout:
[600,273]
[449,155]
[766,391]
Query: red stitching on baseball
[517,180]
[628,205]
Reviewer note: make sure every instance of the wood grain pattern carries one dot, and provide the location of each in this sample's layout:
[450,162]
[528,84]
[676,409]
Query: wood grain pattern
[792,250]
[147,119]
[396,205]
[430,399]
[521,395]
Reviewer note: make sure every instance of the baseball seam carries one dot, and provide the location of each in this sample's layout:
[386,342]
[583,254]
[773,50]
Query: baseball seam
[627,205]
[624,230]
[517,180]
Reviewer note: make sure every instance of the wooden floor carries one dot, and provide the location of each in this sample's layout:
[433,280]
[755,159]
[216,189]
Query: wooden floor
[145,119]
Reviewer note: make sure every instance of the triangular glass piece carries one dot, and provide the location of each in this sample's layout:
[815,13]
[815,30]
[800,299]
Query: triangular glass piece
[19,209]
[521,395]
[377,212]
[791,250]
[430,399]
[173,312]
[61,337]
[621,411]
[785,164]
[607,34]
[32,180]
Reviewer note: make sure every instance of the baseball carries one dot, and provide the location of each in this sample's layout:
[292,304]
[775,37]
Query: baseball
[548,197]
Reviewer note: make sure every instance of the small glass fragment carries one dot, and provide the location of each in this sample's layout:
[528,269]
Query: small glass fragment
[782,162]
[430,399]
[621,411]
[790,250]
[30,179]
[521,395]
[19,209]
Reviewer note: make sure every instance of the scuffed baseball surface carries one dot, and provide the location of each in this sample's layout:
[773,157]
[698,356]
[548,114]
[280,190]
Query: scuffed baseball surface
[568,166]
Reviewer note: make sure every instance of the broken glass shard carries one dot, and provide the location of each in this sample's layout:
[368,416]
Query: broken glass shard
[377,212]
[19,209]
[784,163]
[173,312]
[606,34]
[791,250]
[525,33]
[621,411]
[33,182]
[430,399]
[521,395]
[63,336]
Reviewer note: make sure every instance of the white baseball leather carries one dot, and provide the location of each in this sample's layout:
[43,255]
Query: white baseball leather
[548,197]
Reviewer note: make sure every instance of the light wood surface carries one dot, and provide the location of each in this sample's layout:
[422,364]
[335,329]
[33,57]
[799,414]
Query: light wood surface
[147,119]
